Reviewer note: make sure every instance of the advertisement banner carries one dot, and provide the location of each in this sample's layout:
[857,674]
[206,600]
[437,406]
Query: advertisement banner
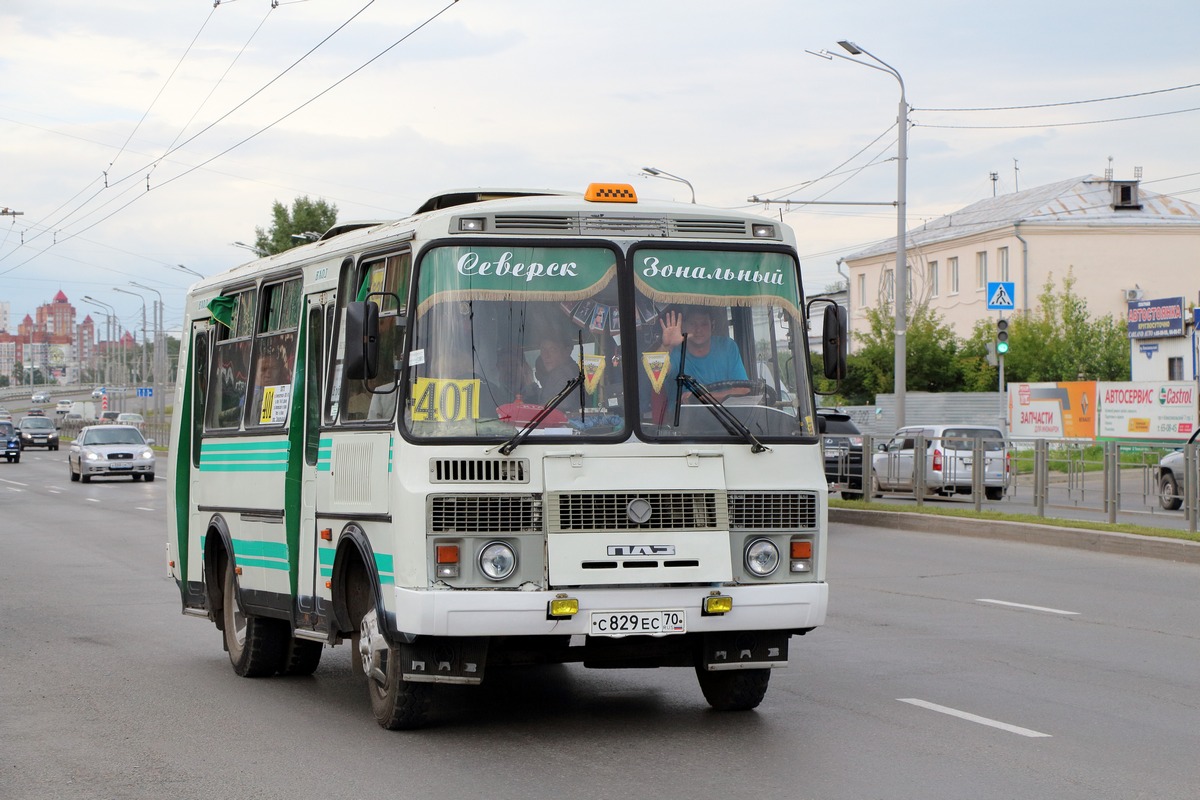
[1062,410]
[1146,410]
[1147,319]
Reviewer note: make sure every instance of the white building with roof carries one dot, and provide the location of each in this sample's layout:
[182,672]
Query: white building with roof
[1121,243]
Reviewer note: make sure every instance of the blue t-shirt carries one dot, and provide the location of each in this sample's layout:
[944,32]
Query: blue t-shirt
[722,363]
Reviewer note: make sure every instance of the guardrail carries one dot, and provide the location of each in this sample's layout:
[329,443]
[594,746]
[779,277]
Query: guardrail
[1089,478]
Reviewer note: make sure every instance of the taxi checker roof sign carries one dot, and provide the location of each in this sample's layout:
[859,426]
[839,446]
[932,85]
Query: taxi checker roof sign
[1000,295]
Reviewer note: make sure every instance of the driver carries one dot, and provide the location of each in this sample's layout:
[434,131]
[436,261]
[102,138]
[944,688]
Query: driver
[710,358]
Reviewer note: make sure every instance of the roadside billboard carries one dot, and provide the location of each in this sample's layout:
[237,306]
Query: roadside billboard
[1148,319]
[1062,410]
[1146,410]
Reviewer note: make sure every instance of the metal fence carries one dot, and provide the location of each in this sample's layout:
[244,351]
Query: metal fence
[1110,481]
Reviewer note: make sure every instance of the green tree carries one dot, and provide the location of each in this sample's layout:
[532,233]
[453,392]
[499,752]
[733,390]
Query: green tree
[295,226]
[1057,341]
[932,365]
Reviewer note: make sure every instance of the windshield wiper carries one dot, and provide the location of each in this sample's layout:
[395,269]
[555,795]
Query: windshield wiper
[532,425]
[732,425]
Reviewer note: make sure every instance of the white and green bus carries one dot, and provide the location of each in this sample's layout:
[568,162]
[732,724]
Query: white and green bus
[513,428]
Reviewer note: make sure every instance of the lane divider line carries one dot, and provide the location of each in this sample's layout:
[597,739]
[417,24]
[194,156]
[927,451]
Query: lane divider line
[954,712]
[1030,608]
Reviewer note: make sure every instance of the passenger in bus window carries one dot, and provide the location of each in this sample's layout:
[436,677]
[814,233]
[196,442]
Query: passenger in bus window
[555,365]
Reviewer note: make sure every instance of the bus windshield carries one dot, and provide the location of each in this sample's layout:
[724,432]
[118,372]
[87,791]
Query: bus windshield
[500,331]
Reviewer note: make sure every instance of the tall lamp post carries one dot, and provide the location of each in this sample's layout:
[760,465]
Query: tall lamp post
[901,276]
[188,270]
[159,363]
[110,331]
[659,173]
[142,376]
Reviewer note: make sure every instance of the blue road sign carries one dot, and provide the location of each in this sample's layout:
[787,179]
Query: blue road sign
[1000,295]
[145,391]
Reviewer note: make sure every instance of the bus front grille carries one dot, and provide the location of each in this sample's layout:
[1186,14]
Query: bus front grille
[479,470]
[773,510]
[484,513]
[658,511]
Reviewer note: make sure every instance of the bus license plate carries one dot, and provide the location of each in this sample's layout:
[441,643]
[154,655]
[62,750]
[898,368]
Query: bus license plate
[638,623]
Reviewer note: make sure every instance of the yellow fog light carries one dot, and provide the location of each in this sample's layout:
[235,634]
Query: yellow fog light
[561,607]
[718,604]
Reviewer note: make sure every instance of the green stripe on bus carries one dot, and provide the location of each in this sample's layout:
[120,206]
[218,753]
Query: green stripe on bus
[262,563]
[230,457]
[258,444]
[255,547]
[279,466]
[383,565]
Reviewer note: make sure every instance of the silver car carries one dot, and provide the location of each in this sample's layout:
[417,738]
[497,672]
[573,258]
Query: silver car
[950,451]
[111,450]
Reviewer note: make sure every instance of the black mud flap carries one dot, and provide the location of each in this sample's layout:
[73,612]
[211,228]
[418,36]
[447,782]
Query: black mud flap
[447,659]
[745,650]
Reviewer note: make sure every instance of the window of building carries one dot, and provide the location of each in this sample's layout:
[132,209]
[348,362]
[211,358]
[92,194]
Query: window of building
[889,284]
[981,275]
[1175,368]
[933,279]
[952,270]
[1002,263]
[862,290]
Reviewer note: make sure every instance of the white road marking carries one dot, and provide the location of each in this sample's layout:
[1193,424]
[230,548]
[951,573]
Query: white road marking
[954,712]
[14,483]
[142,508]
[92,500]
[1031,608]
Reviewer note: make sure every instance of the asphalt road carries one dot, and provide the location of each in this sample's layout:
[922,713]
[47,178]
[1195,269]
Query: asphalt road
[950,667]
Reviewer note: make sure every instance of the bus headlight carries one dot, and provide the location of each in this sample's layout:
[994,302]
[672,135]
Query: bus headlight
[497,561]
[762,557]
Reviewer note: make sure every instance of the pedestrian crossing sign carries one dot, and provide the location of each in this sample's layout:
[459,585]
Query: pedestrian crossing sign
[1000,295]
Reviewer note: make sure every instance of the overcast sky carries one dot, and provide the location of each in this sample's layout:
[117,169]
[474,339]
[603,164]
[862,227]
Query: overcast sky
[140,134]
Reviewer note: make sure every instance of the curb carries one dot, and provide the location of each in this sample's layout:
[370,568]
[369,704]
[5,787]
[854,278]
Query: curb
[1127,544]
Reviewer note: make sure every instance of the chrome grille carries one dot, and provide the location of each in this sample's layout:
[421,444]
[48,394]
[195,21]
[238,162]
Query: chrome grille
[609,511]
[479,470]
[783,511]
[532,222]
[484,513]
[711,227]
[120,456]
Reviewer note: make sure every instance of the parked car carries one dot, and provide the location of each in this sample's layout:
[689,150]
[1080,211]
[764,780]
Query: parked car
[1169,477]
[949,460]
[37,432]
[11,441]
[63,407]
[5,415]
[101,450]
[843,453]
[40,397]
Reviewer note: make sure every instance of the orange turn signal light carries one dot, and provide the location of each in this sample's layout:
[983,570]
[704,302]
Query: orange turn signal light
[802,549]
[447,554]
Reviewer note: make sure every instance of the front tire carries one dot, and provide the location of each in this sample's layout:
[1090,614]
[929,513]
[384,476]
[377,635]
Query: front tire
[397,704]
[257,645]
[1168,492]
[149,477]
[74,474]
[875,490]
[735,689]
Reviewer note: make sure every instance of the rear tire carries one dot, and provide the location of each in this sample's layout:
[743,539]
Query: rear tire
[257,645]
[993,492]
[303,657]
[875,491]
[735,689]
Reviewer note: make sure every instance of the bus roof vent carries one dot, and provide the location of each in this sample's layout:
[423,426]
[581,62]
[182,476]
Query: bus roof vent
[532,222]
[479,470]
[710,227]
[613,224]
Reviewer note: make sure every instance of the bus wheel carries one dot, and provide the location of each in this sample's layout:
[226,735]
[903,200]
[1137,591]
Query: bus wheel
[303,657]
[734,689]
[396,703]
[257,645]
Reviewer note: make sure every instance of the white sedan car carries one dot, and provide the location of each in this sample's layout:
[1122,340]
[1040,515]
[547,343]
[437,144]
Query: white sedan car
[111,450]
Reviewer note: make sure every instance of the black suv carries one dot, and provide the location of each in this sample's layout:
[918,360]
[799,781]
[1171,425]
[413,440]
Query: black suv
[843,453]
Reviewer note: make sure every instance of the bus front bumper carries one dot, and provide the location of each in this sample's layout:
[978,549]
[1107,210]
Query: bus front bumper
[781,607]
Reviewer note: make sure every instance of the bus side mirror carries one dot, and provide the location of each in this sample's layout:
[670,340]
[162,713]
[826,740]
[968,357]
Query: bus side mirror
[362,340]
[835,342]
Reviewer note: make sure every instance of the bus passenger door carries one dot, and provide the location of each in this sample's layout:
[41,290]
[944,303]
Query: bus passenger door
[312,571]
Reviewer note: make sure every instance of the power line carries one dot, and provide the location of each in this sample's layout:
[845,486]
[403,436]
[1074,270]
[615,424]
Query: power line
[1068,102]
[1059,124]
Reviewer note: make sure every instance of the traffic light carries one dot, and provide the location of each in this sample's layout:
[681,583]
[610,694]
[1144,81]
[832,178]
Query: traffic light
[1001,336]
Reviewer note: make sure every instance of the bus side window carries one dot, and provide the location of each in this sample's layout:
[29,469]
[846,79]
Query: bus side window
[274,354]
[231,366]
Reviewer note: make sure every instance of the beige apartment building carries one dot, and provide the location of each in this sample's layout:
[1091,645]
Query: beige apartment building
[1122,243]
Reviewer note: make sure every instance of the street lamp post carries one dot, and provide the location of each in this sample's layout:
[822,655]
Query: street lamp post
[142,376]
[110,329]
[159,352]
[901,276]
[658,173]
[249,247]
[188,270]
